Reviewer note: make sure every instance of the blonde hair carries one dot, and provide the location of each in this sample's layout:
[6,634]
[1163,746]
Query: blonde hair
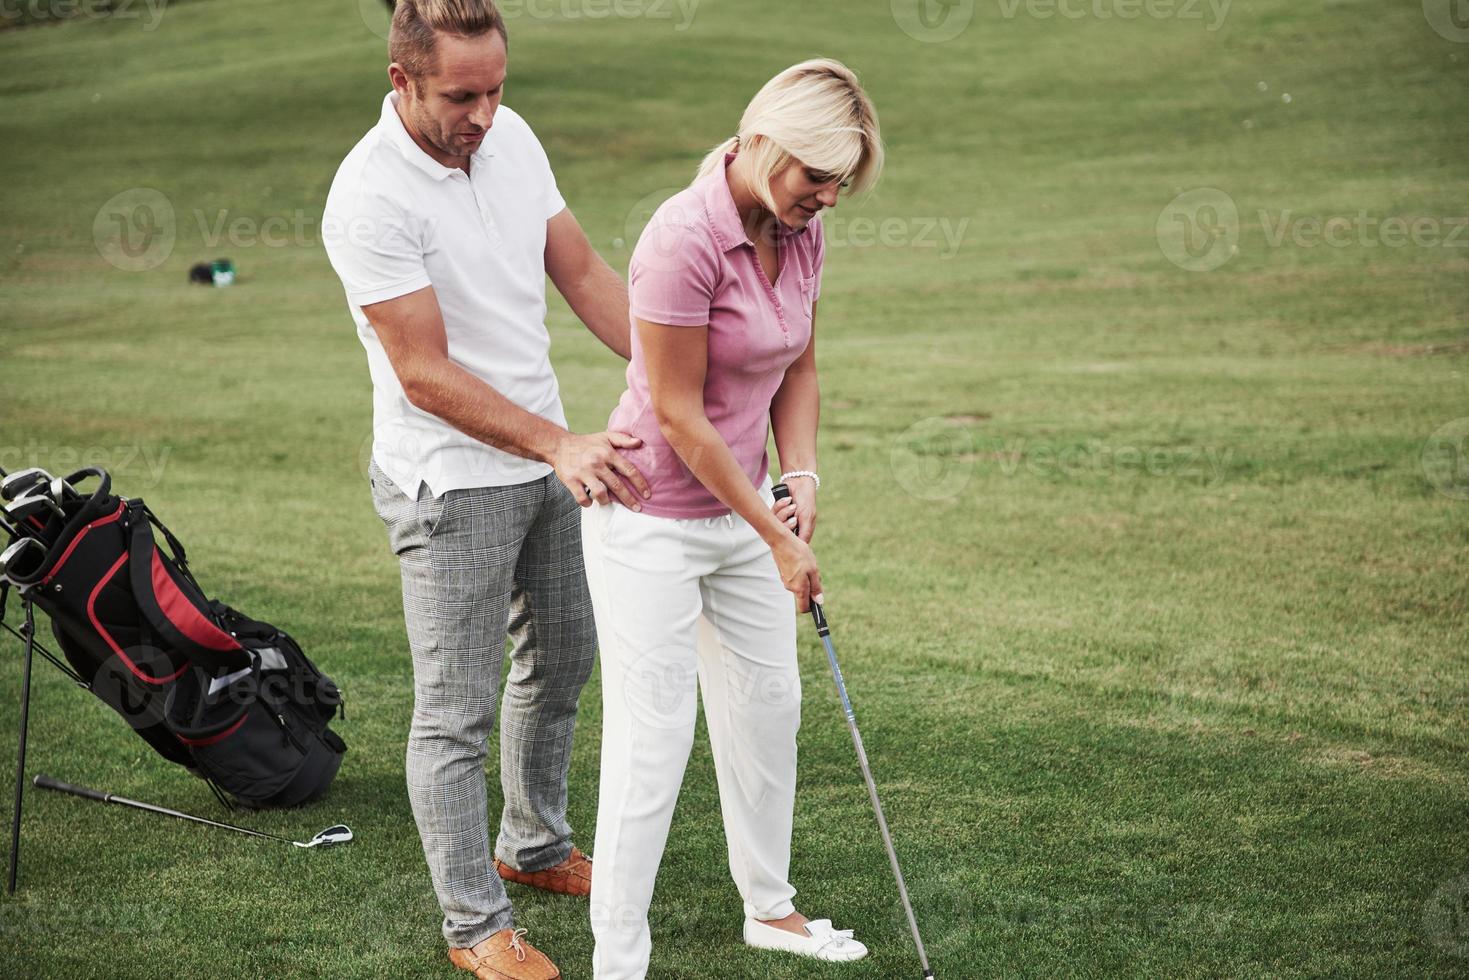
[815,112]
[411,37]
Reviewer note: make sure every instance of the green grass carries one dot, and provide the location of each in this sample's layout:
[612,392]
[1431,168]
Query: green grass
[1154,625]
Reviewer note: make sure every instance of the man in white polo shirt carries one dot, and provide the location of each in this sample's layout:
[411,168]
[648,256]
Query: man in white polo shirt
[443,223]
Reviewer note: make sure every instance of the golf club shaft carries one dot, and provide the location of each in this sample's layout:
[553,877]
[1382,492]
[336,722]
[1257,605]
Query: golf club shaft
[20,764]
[824,631]
[46,782]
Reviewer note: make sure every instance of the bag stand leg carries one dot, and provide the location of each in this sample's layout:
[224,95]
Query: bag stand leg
[20,764]
[224,801]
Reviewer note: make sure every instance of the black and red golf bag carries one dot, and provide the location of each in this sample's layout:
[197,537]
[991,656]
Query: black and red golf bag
[231,698]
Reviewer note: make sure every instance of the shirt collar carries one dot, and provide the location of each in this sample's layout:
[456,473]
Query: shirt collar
[392,126]
[724,217]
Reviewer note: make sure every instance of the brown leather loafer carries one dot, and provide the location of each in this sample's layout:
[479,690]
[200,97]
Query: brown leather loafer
[505,956]
[571,877]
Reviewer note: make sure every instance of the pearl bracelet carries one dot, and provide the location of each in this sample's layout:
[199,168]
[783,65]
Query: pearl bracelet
[794,473]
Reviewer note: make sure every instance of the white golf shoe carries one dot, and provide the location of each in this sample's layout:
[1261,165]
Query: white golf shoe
[821,941]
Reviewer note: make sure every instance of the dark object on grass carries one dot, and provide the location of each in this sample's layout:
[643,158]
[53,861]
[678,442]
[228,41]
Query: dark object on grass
[780,492]
[220,272]
[338,834]
[232,699]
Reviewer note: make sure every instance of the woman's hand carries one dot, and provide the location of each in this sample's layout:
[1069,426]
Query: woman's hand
[798,511]
[798,572]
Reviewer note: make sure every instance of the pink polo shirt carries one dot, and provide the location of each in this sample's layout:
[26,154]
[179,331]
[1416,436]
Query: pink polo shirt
[693,266]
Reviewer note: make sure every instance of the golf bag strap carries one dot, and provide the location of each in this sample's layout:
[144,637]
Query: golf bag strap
[175,547]
[171,602]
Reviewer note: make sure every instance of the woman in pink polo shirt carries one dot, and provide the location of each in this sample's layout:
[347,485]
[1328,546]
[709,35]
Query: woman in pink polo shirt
[697,583]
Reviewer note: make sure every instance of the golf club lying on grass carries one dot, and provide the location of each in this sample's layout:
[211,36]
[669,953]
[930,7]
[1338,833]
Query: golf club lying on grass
[339,834]
[781,491]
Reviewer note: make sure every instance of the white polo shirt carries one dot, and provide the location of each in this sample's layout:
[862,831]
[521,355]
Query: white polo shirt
[396,221]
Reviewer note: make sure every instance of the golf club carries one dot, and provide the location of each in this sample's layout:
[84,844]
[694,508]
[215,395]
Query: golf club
[61,491]
[780,492]
[5,525]
[13,558]
[29,508]
[19,482]
[338,834]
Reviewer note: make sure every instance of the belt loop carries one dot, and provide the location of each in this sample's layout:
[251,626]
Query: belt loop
[729,521]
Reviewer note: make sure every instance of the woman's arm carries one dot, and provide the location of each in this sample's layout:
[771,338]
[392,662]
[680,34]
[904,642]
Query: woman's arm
[794,413]
[676,359]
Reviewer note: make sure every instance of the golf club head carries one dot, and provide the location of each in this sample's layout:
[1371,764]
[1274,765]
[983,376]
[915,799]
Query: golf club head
[23,557]
[19,482]
[30,505]
[62,492]
[340,834]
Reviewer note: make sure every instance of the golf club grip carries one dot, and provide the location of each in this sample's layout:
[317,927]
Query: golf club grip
[46,782]
[782,492]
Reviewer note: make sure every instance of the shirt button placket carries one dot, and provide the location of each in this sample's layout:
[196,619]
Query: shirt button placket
[780,314]
[487,217]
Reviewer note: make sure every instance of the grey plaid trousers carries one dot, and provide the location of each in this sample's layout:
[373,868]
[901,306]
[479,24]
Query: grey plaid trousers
[476,564]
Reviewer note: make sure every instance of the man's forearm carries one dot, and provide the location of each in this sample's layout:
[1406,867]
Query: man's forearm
[446,390]
[599,299]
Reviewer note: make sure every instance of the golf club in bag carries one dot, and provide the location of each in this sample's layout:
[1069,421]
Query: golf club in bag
[232,699]
[780,492]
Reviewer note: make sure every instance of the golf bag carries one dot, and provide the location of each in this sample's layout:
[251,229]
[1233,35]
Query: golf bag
[232,699]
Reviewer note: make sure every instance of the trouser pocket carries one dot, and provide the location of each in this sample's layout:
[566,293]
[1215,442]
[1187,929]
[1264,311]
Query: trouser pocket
[410,523]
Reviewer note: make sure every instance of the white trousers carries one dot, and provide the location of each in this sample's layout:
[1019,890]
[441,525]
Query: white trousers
[650,579]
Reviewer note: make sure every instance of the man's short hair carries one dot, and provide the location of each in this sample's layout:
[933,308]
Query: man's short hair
[411,40]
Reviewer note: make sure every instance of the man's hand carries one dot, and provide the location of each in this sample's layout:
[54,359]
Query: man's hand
[591,468]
